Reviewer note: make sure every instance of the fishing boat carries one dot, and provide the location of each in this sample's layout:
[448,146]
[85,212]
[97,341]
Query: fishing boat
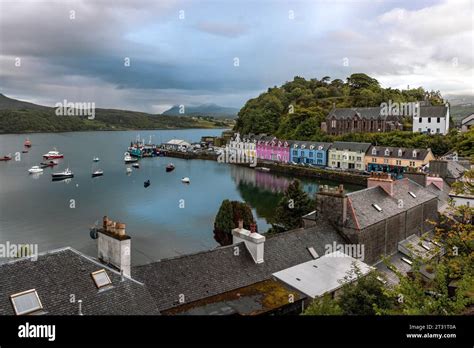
[96,159]
[35,169]
[53,154]
[185,180]
[129,170]
[6,158]
[63,175]
[136,165]
[27,143]
[97,172]
[129,159]
[170,167]
[146,183]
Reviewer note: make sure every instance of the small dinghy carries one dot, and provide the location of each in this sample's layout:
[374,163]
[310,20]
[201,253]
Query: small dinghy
[35,169]
[136,165]
[24,151]
[185,180]
[129,170]
[96,159]
[6,158]
[170,167]
[146,183]
[97,172]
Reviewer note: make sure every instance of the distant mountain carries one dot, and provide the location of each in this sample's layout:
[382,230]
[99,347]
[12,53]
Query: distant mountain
[9,103]
[18,116]
[213,110]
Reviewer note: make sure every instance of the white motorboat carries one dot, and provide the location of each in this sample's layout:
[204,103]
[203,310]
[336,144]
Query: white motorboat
[129,159]
[98,172]
[63,175]
[35,169]
[185,180]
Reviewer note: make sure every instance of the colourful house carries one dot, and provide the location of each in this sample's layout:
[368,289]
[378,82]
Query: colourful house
[396,159]
[308,152]
[272,149]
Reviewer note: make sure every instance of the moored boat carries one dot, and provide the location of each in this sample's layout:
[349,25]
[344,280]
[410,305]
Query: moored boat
[97,172]
[48,164]
[129,159]
[67,173]
[170,167]
[6,158]
[27,143]
[96,159]
[35,169]
[53,154]
[147,183]
[129,170]
[185,180]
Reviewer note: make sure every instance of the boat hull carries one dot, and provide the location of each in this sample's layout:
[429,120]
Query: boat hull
[53,156]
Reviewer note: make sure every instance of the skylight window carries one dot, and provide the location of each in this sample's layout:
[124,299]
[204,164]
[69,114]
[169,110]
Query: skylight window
[412,194]
[101,278]
[26,302]
[404,259]
[426,247]
[377,207]
[313,252]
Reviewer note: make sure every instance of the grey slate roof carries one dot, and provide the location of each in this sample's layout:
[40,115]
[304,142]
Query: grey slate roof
[407,153]
[307,144]
[208,273]
[455,169]
[57,274]
[350,146]
[364,214]
[443,195]
[433,111]
[374,112]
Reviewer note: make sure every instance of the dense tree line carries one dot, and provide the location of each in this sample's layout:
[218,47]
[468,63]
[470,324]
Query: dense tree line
[296,109]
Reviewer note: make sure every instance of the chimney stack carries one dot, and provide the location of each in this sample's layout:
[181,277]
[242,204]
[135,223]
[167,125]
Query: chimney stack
[114,246]
[254,242]
[384,180]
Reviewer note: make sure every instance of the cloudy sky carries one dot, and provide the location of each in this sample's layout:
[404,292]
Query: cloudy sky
[225,52]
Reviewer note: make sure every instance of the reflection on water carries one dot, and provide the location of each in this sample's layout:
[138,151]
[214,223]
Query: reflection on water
[35,210]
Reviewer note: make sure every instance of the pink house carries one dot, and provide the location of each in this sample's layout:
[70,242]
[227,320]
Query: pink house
[273,149]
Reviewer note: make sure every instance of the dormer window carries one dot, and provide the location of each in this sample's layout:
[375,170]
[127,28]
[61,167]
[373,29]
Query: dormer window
[311,147]
[400,152]
[387,152]
[374,151]
[303,146]
[295,146]
[414,154]
[320,147]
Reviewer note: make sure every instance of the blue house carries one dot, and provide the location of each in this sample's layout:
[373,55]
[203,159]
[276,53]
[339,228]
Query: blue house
[309,152]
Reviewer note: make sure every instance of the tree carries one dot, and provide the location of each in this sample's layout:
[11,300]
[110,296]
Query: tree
[227,218]
[224,223]
[291,208]
[360,295]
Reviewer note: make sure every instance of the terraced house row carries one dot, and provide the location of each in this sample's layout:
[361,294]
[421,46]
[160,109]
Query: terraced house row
[338,155]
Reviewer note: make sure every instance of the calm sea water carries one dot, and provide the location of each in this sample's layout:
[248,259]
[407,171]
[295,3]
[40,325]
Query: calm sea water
[33,209]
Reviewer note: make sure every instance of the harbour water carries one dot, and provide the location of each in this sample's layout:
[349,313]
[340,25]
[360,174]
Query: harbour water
[166,219]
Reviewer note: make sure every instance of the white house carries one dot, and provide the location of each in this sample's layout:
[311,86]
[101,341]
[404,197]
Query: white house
[244,147]
[432,120]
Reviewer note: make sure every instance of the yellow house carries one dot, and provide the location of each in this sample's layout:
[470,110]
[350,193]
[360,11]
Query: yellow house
[396,159]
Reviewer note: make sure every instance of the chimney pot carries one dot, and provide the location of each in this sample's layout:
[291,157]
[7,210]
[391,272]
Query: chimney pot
[253,228]
[241,224]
